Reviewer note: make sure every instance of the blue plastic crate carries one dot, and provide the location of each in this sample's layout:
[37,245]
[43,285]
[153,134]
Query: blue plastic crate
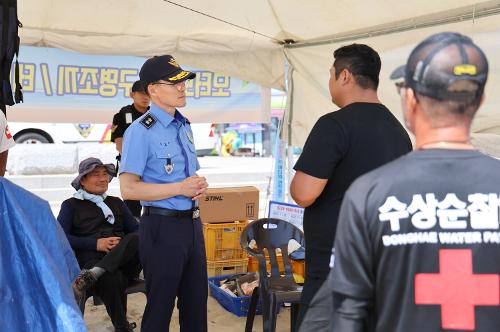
[236,305]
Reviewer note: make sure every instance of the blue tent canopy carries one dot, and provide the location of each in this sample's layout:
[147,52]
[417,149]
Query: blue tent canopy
[37,266]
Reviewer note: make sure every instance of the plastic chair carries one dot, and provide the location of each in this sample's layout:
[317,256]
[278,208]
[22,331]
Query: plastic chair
[137,285]
[274,289]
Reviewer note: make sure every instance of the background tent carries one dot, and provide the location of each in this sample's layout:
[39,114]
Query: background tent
[253,40]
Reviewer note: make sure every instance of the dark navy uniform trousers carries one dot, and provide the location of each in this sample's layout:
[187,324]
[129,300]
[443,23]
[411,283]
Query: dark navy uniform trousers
[172,253]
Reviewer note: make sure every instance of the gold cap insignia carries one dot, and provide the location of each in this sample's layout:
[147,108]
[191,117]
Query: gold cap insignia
[173,63]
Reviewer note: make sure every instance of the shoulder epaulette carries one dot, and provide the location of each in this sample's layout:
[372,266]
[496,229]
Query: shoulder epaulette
[148,121]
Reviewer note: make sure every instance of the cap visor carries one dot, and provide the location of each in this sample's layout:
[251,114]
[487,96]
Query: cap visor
[398,73]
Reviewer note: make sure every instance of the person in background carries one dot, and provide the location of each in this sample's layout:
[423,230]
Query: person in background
[343,145]
[121,121]
[103,233]
[6,142]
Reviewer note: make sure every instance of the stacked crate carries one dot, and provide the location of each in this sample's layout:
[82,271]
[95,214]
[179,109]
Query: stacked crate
[222,245]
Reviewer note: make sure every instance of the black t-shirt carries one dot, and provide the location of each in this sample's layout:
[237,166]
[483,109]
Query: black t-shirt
[420,239]
[342,146]
[122,120]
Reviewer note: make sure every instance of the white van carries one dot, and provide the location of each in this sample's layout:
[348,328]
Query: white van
[35,133]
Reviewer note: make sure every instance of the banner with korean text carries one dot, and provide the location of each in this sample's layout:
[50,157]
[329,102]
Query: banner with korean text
[62,86]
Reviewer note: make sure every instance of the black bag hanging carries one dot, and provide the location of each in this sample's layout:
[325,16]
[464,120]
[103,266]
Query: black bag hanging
[9,46]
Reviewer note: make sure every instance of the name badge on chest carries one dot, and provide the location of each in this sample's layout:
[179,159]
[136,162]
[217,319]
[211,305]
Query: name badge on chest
[128,118]
[169,166]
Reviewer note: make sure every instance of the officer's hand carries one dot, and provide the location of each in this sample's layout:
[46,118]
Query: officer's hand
[200,195]
[193,186]
[105,244]
[202,190]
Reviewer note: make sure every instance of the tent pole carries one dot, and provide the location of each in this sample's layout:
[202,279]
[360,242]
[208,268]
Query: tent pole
[466,13]
[289,109]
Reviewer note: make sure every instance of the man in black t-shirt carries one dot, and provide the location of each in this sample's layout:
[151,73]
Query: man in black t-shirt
[418,240]
[122,120]
[343,145]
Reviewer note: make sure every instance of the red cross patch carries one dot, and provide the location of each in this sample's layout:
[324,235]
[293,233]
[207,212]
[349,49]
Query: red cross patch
[457,289]
[7,132]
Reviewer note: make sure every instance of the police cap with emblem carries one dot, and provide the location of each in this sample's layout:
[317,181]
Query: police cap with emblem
[446,66]
[165,68]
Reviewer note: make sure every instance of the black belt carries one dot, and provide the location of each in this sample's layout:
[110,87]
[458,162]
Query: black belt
[193,213]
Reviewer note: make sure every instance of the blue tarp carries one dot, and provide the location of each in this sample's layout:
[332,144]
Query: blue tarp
[37,266]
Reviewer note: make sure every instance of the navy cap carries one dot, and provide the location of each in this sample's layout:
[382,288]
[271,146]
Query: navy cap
[439,66]
[165,68]
[138,86]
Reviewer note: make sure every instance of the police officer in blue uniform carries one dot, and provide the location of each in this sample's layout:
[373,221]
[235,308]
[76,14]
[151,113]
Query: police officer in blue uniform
[160,170]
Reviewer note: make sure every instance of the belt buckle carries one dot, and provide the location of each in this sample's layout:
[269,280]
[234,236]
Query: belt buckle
[196,213]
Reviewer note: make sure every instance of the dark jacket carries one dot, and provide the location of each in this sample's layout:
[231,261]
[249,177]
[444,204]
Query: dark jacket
[84,223]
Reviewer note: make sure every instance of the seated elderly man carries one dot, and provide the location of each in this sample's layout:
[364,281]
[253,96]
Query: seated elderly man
[103,234]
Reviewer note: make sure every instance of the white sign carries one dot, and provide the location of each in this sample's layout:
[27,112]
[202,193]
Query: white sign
[292,213]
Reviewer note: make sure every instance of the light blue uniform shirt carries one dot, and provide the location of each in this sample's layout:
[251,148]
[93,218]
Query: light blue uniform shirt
[146,152]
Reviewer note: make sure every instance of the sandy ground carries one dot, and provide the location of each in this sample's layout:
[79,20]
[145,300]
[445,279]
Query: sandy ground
[219,320]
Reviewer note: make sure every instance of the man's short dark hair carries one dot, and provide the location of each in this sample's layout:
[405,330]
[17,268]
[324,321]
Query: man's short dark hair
[362,61]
